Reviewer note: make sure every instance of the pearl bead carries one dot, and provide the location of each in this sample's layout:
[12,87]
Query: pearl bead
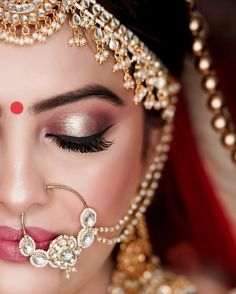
[121,222]
[134,206]
[215,102]
[134,222]
[71,42]
[144,184]
[195,24]
[229,139]
[204,64]
[210,83]
[219,122]
[126,218]
[198,46]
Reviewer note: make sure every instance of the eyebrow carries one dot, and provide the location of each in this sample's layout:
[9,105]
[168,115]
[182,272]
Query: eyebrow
[90,91]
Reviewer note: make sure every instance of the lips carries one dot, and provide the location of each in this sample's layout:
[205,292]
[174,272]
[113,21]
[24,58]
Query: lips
[9,242]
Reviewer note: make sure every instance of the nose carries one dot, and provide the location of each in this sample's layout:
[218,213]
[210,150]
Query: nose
[21,188]
[21,182]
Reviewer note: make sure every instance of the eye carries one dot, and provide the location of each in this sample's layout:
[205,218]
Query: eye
[93,143]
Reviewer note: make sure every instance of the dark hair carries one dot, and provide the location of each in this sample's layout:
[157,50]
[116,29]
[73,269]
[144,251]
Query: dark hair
[162,25]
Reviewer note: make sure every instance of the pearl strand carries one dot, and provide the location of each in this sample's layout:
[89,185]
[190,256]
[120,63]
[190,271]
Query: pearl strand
[147,190]
[221,120]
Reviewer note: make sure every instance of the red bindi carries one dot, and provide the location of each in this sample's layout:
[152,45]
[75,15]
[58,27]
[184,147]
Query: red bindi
[16,107]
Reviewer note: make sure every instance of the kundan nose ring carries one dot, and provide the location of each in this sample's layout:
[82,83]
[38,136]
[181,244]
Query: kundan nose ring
[63,251]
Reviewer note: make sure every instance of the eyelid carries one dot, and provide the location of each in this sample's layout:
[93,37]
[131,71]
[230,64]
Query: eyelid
[99,134]
[93,143]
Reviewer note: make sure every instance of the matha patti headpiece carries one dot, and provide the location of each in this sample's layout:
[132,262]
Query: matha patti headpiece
[25,22]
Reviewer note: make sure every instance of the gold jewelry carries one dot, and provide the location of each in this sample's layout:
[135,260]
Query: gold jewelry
[23,24]
[221,120]
[63,251]
[26,22]
[138,271]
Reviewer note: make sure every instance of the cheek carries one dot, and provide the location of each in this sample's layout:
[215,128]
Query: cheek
[110,181]
[107,180]
[115,179]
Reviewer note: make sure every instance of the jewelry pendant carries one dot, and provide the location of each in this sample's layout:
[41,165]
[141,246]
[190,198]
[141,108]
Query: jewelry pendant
[63,253]
[27,245]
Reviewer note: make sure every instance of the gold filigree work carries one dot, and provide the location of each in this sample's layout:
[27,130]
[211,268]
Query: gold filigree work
[24,23]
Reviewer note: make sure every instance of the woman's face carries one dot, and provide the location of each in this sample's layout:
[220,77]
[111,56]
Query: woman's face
[105,168]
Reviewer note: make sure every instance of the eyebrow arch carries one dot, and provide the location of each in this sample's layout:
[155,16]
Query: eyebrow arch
[90,91]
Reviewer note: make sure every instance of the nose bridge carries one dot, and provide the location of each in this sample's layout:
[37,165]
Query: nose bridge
[21,184]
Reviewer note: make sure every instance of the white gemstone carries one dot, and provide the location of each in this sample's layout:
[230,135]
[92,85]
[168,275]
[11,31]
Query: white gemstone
[88,218]
[41,12]
[105,16]
[33,17]
[62,242]
[15,17]
[85,3]
[39,258]
[25,6]
[76,19]
[49,32]
[115,23]
[114,44]
[96,9]
[48,6]
[27,246]
[85,238]
[67,255]
[24,18]
[98,33]
[6,16]
[18,7]
[83,42]
[53,255]
[67,3]
[62,17]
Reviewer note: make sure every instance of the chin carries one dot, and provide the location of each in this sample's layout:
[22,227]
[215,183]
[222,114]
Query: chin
[18,278]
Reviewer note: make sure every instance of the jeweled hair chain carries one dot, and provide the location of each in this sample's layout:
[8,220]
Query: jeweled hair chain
[27,22]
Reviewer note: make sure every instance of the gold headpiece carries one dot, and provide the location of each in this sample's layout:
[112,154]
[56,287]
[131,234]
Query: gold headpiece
[23,22]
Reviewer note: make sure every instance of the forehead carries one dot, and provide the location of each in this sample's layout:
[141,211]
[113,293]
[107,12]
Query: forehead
[50,68]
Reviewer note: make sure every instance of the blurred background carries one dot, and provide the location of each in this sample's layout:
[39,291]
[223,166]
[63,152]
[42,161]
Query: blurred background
[221,17]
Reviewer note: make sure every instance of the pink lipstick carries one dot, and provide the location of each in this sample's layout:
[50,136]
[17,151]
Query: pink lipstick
[10,238]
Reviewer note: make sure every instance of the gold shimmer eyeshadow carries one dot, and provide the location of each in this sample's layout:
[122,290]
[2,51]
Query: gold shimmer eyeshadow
[78,125]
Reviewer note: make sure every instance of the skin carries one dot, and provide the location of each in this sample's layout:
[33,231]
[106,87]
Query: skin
[107,180]
[28,160]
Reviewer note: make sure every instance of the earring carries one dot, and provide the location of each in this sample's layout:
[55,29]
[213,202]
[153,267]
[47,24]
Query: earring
[138,271]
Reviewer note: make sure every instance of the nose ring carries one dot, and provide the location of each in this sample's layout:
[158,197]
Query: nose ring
[63,251]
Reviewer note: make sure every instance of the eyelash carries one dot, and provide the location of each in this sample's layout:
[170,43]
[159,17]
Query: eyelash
[93,143]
